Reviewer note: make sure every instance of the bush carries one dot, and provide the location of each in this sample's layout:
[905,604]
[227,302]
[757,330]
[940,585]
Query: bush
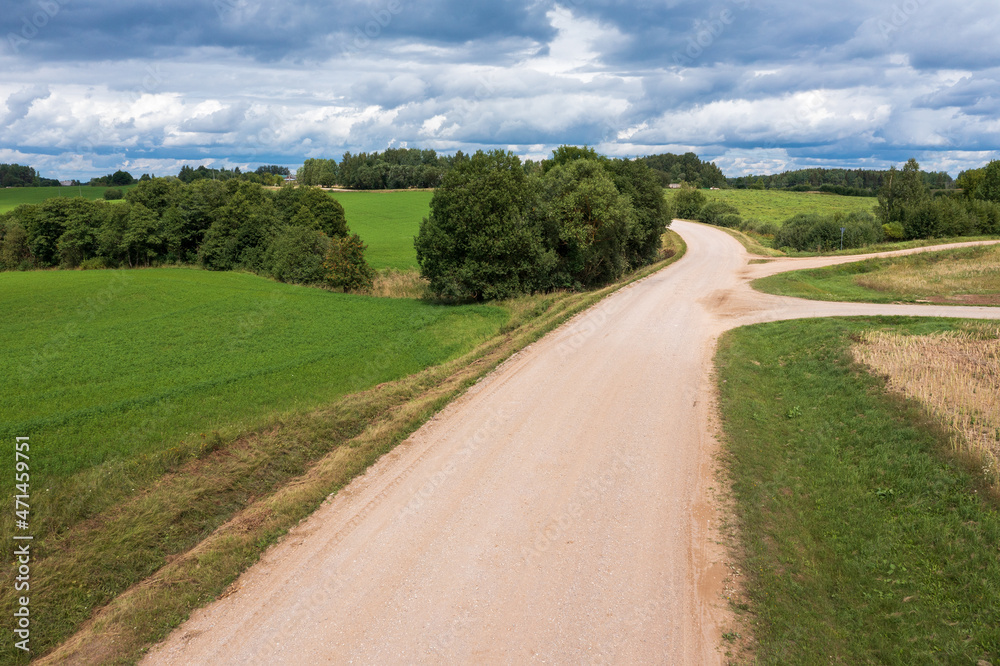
[113,194]
[893,231]
[345,264]
[818,232]
[14,251]
[297,254]
[97,263]
[688,203]
[755,226]
[715,211]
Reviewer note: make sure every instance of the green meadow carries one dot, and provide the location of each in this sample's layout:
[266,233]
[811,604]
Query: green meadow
[777,206]
[387,222]
[12,197]
[107,365]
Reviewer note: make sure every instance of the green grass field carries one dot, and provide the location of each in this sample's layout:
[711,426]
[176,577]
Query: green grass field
[105,365]
[387,222]
[968,275]
[863,539]
[12,197]
[777,206]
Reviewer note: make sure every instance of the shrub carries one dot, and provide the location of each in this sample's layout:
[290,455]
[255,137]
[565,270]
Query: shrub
[688,203]
[714,211]
[113,194]
[297,254]
[818,232]
[345,264]
[893,231]
[95,263]
[14,251]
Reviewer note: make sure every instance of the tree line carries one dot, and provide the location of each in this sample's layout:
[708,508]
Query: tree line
[578,220]
[392,169]
[17,175]
[908,208]
[687,168]
[294,234]
[848,182]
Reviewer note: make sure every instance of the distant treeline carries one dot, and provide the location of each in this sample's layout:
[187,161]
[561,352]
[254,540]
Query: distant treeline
[393,169]
[687,168]
[847,182]
[222,225]
[909,207]
[15,175]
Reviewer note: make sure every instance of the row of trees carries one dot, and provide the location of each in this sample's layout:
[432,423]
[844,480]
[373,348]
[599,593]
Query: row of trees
[851,182]
[17,175]
[270,174]
[687,168]
[580,220]
[293,234]
[907,209]
[395,168]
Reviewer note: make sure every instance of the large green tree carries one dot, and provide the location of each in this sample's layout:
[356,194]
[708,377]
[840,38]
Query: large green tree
[901,191]
[479,241]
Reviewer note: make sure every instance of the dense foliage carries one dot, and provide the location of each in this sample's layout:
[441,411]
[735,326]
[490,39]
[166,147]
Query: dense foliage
[823,232]
[580,220]
[907,209]
[847,182]
[395,168]
[271,174]
[16,175]
[687,168]
[222,225]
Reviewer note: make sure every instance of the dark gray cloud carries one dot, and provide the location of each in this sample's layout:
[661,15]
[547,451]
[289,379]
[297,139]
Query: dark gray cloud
[756,84]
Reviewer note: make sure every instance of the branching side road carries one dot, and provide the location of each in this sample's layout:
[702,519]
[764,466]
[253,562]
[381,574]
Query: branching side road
[558,512]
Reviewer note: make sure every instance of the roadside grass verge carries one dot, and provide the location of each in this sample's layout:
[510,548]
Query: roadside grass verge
[963,276]
[387,222]
[109,587]
[864,536]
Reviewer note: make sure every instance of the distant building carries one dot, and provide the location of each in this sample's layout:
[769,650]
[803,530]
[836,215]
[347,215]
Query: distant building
[66,183]
[289,179]
[674,186]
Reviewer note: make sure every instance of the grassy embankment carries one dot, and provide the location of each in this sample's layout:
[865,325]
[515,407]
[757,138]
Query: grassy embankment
[182,421]
[868,531]
[12,197]
[961,276]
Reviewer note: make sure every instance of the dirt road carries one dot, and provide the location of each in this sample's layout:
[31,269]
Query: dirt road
[557,513]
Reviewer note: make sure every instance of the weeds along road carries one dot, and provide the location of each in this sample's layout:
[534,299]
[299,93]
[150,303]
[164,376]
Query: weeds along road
[559,512]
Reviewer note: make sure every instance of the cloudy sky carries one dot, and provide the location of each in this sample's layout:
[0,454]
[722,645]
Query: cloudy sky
[758,86]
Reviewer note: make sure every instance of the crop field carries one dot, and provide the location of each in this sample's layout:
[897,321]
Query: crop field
[777,206]
[107,365]
[12,197]
[387,222]
[963,276]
